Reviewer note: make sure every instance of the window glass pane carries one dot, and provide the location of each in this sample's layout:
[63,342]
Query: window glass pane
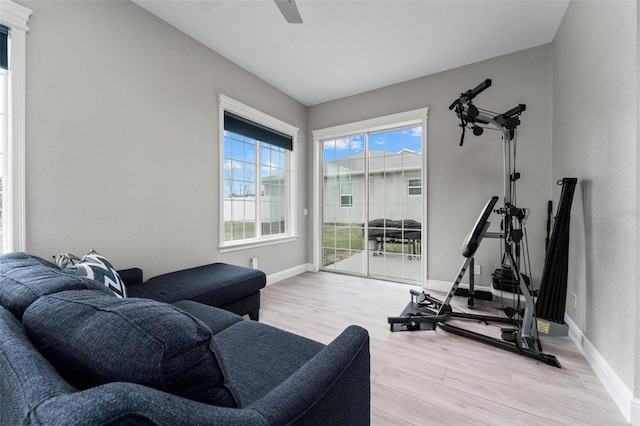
[273,199]
[255,188]
[415,186]
[250,151]
[412,139]
[346,200]
[346,194]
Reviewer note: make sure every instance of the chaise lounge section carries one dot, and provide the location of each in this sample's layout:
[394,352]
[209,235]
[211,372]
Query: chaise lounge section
[230,287]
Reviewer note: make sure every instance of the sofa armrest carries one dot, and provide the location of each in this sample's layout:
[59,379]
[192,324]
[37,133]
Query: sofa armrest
[331,388]
[133,404]
[131,276]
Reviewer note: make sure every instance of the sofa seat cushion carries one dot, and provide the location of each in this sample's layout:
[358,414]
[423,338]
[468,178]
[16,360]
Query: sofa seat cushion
[214,284]
[24,278]
[258,357]
[216,319]
[93,339]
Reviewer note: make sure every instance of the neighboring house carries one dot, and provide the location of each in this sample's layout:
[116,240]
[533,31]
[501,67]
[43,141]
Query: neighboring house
[395,190]
[395,182]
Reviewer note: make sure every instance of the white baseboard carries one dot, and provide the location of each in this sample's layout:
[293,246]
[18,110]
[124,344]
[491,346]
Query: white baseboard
[628,405]
[292,272]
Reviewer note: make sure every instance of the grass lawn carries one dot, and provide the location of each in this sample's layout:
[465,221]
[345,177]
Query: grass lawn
[341,240]
[241,230]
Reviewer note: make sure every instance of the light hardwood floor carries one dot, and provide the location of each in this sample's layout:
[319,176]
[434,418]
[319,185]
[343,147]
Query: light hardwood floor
[432,377]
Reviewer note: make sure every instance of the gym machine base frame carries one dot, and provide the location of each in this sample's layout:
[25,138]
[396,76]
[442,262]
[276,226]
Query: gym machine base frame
[552,328]
[425,312]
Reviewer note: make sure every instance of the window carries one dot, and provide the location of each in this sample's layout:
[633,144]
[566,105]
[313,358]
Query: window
[257,177]
[13,29]
[346,195]
[415,186]
[4,139]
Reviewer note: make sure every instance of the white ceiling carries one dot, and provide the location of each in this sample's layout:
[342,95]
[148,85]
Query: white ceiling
[345,47]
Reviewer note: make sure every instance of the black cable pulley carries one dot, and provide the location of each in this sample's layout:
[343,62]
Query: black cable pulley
[472,111]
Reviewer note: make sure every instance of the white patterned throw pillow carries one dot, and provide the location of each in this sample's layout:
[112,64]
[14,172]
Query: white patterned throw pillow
[93,266]
[66,260]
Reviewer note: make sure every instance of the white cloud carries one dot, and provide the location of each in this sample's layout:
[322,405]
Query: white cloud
[344,143]
[230,164]
[269,167]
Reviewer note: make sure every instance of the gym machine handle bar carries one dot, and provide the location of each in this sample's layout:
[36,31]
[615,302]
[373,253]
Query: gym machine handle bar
[471,93]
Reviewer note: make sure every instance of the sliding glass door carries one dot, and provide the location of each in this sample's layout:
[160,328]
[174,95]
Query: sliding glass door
[395,216]
[344,204]
[372,204]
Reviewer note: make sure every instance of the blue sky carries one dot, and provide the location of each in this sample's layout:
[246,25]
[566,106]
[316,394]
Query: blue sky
[392,141]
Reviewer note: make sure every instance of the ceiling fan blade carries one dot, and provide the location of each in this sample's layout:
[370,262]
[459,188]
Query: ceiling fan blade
[289,10]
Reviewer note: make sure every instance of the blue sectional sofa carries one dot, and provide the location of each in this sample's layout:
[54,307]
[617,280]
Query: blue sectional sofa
[72,353]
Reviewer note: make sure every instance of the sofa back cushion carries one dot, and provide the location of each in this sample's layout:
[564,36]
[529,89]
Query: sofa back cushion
[94,339]
[24,278]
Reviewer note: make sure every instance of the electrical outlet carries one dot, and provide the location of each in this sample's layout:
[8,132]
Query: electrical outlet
[477,270]
[254,263]
[575,300]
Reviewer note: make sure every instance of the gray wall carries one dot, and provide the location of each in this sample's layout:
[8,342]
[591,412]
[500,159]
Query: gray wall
[122,139]
[461,180]
[595,102]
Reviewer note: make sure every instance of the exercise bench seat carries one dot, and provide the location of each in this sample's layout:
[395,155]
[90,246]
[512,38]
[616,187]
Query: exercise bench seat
[230,287]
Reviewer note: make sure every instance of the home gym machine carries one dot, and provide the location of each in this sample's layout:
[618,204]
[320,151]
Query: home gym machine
[425,312]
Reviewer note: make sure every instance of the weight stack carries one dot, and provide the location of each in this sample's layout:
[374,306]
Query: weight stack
[505,289]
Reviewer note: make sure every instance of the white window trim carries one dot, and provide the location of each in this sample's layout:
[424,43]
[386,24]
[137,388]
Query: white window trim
[417,117]
[15,17]
[225,103]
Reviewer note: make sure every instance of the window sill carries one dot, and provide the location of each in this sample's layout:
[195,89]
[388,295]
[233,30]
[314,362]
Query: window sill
[248,244]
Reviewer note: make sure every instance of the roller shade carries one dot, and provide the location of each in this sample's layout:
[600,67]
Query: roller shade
[236,124]
[4,47]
